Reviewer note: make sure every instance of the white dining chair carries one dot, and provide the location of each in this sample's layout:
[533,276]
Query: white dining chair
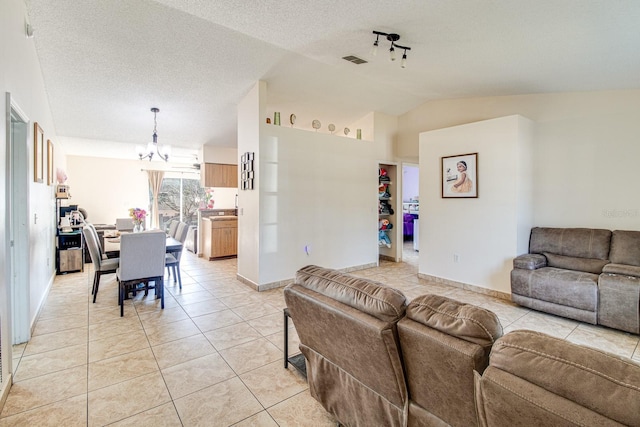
[142,260]
[100,265]
[172,260]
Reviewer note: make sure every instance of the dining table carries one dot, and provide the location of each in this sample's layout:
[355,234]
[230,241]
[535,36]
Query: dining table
[112,246]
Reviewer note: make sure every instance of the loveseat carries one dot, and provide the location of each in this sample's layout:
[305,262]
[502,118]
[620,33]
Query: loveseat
[372,360]
[591,275]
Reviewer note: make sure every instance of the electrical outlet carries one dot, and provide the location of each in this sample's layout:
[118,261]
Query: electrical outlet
[456,258]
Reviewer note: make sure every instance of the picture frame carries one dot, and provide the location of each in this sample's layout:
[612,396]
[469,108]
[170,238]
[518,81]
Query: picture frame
[49,162]
[38,153]
[459,175]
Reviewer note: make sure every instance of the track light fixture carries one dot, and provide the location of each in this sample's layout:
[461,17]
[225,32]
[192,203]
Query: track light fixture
[153,148]
[393,38]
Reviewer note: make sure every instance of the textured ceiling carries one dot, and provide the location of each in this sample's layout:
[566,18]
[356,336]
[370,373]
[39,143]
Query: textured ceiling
[107,62]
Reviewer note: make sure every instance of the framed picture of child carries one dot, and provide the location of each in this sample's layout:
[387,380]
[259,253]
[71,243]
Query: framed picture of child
[460,176]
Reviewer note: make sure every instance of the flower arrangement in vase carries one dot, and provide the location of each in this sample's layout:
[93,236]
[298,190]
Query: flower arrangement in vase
[208,194]
[138,216]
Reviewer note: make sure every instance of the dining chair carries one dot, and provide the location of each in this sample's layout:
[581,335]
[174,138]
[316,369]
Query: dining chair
[124,224]
[97,237]
[173,227]
[100,265]
[142,258]
[172,260]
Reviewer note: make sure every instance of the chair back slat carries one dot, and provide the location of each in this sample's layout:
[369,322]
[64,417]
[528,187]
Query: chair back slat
[92,244]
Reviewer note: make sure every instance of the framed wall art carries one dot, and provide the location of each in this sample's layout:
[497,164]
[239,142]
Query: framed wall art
[38,153]
[49,162]
[460,176]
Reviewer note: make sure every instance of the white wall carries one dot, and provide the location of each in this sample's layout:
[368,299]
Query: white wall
[410,182]
[20,75]
[223,155]
[483,232]
[585,151]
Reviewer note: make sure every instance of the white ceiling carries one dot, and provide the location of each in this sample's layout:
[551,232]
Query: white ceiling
[107,62]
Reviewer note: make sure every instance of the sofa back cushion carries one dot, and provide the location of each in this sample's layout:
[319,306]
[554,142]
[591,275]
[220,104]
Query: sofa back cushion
[571,242]
[348,334]
[536,379]
[443,342]
[625,247]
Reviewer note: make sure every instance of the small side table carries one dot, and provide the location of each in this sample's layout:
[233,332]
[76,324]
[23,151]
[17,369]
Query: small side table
[297,361]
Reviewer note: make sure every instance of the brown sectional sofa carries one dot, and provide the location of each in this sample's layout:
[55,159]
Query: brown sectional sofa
[591,275]
[373,360]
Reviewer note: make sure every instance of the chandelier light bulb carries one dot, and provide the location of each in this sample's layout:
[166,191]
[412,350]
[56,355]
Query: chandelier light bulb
[374,48]
[392,53]
[403,63]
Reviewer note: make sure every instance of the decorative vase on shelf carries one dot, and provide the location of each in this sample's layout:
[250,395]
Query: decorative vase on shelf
[276,118]
[137,228]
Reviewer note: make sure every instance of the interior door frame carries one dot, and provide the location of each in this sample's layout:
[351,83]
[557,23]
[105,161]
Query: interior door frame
[17,220]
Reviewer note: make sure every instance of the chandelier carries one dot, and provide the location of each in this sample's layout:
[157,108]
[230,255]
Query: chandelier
[393,38]
[153,148]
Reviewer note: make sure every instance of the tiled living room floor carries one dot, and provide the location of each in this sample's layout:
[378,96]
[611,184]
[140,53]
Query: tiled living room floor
[212,357]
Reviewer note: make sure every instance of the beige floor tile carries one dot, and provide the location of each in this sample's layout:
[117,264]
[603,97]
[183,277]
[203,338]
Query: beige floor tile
[605,339]
[182,350]
[294,341]
[51,361]
[161,317]
[232,335]
[56,340]
[161,416]
[241,299]
[222,404]
[507,312]
[184,298]
[117,327]
[272,384]
[159,334]
[269,324]
[541,322]
[69,412]
[204,307]
[217,320]
[117,345]
[197,374]
[62,323]
[301,410]
[261,419]
[106,372]
[251,355]
[45,389]
[122,400]
[255,310]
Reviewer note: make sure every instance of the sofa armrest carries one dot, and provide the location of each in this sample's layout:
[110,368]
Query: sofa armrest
[622,269]
[530,261]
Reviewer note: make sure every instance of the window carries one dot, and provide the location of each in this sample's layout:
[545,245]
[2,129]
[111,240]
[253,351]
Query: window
[179,199]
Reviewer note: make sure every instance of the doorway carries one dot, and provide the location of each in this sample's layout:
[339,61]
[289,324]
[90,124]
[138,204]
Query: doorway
[410,211]
[17,217]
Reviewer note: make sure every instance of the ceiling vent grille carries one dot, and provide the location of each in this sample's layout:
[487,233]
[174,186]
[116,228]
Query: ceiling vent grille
[354,59]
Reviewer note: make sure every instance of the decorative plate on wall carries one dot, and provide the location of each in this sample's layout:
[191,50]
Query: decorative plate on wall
[316,124]
[346,131]
[331,127]
[292,119]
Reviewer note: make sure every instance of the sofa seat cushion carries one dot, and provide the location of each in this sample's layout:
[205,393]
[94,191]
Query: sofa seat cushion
[622,269]
[573,242]
[625,247]
[576,373]
[589,265]
[565,287]
[465,321]
[373,298]
[530,261]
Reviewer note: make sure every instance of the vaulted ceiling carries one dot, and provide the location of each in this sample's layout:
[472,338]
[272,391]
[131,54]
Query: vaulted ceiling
[105,63]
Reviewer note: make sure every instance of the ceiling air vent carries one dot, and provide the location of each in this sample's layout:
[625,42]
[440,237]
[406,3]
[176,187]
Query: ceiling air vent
[354,59]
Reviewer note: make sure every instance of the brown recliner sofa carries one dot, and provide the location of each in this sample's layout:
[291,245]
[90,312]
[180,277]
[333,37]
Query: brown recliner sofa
[591,275]
[534,379]
[443,343]
[348,336]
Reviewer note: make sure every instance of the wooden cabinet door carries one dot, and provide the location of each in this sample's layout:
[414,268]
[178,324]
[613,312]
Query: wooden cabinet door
[219,175]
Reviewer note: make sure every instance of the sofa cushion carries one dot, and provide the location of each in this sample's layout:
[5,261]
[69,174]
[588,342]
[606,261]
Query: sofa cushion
[376,299]
[574,242]
[530,261]
[622,269]
[625,247]
[464,321]
[589,265]
[565,287]
[577,373]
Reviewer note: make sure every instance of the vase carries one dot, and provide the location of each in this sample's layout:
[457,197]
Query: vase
[137,228]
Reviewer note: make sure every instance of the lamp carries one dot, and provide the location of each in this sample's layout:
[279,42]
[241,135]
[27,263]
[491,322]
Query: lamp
[393,38]
[152,147]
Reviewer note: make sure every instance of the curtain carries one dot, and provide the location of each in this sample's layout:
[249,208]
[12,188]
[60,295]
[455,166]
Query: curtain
[155,182]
